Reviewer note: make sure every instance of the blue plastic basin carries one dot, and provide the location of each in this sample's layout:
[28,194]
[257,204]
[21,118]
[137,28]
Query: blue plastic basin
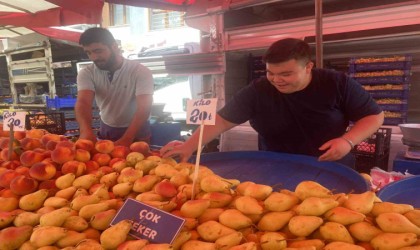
[404,191]
[284,170]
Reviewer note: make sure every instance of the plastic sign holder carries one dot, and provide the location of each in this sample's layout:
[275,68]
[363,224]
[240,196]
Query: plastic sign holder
[203,112]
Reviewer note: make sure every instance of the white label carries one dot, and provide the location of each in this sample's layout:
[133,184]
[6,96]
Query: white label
[201,111]
[16,118]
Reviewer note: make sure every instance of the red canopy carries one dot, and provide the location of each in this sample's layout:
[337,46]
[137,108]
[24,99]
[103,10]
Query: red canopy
[44,16]
[178,5]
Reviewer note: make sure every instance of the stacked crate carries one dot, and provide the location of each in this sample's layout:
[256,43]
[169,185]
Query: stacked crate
[373,151]
[72,126]
[66,106]
[5,92]
[387,80]
[52,122]
[65,75]
[256,67]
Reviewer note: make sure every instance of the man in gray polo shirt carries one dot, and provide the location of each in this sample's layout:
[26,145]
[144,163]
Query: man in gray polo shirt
[122,89]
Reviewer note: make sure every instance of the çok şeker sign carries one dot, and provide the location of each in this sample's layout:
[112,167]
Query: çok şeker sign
[149,223]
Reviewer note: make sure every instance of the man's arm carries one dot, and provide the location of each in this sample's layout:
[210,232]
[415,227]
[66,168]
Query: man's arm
[185,150]
[144,105]
[83,110]
[364,128]
[337,148]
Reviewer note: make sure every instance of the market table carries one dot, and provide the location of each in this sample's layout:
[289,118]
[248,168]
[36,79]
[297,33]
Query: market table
[403,164]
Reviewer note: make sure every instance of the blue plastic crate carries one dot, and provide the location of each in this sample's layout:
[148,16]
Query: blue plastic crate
[96,123]
[403,164]
[379,74]
[8,100]
[69,90]
[71,133]
[70,125]
[383,80]
[50,102]
[58,102]
[69,114]
[95,113]
[394,120]
[394,107]
[403,94]
[376,66]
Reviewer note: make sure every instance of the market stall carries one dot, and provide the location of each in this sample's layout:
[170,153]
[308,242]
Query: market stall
[81,195]
[69,193]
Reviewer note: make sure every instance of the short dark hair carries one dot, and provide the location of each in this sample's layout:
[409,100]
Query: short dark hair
[96,35]
[287,49]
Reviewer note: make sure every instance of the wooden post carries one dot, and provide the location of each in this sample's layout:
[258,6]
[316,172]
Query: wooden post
[318,28]
[11,140]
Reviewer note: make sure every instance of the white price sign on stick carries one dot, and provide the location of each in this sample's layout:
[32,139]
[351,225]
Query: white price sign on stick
[17,119]
[201,111]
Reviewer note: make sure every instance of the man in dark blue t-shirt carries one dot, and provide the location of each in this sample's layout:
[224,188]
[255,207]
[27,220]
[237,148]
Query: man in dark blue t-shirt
[296,108]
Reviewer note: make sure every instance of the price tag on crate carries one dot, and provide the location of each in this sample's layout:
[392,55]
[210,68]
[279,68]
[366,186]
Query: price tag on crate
[201,111]
[17,119]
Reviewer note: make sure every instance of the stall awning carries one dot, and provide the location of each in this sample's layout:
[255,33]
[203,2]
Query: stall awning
[21,17]
[178,5]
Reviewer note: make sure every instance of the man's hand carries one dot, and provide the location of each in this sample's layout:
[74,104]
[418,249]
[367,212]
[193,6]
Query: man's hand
[336,149]
[89,135]
[177,148]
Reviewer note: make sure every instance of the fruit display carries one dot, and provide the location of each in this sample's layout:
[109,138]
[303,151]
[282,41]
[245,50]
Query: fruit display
[389,101]
[365,147]
[387,79]
[384,87]
[391,114]
[380,73]
[62,194]
[397,58]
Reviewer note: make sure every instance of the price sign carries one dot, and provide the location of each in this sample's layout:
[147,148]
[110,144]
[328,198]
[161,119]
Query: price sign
[149,223]
[17,119]
[201,111]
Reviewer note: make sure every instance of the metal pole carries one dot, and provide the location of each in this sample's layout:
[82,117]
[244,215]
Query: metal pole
[318,34]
